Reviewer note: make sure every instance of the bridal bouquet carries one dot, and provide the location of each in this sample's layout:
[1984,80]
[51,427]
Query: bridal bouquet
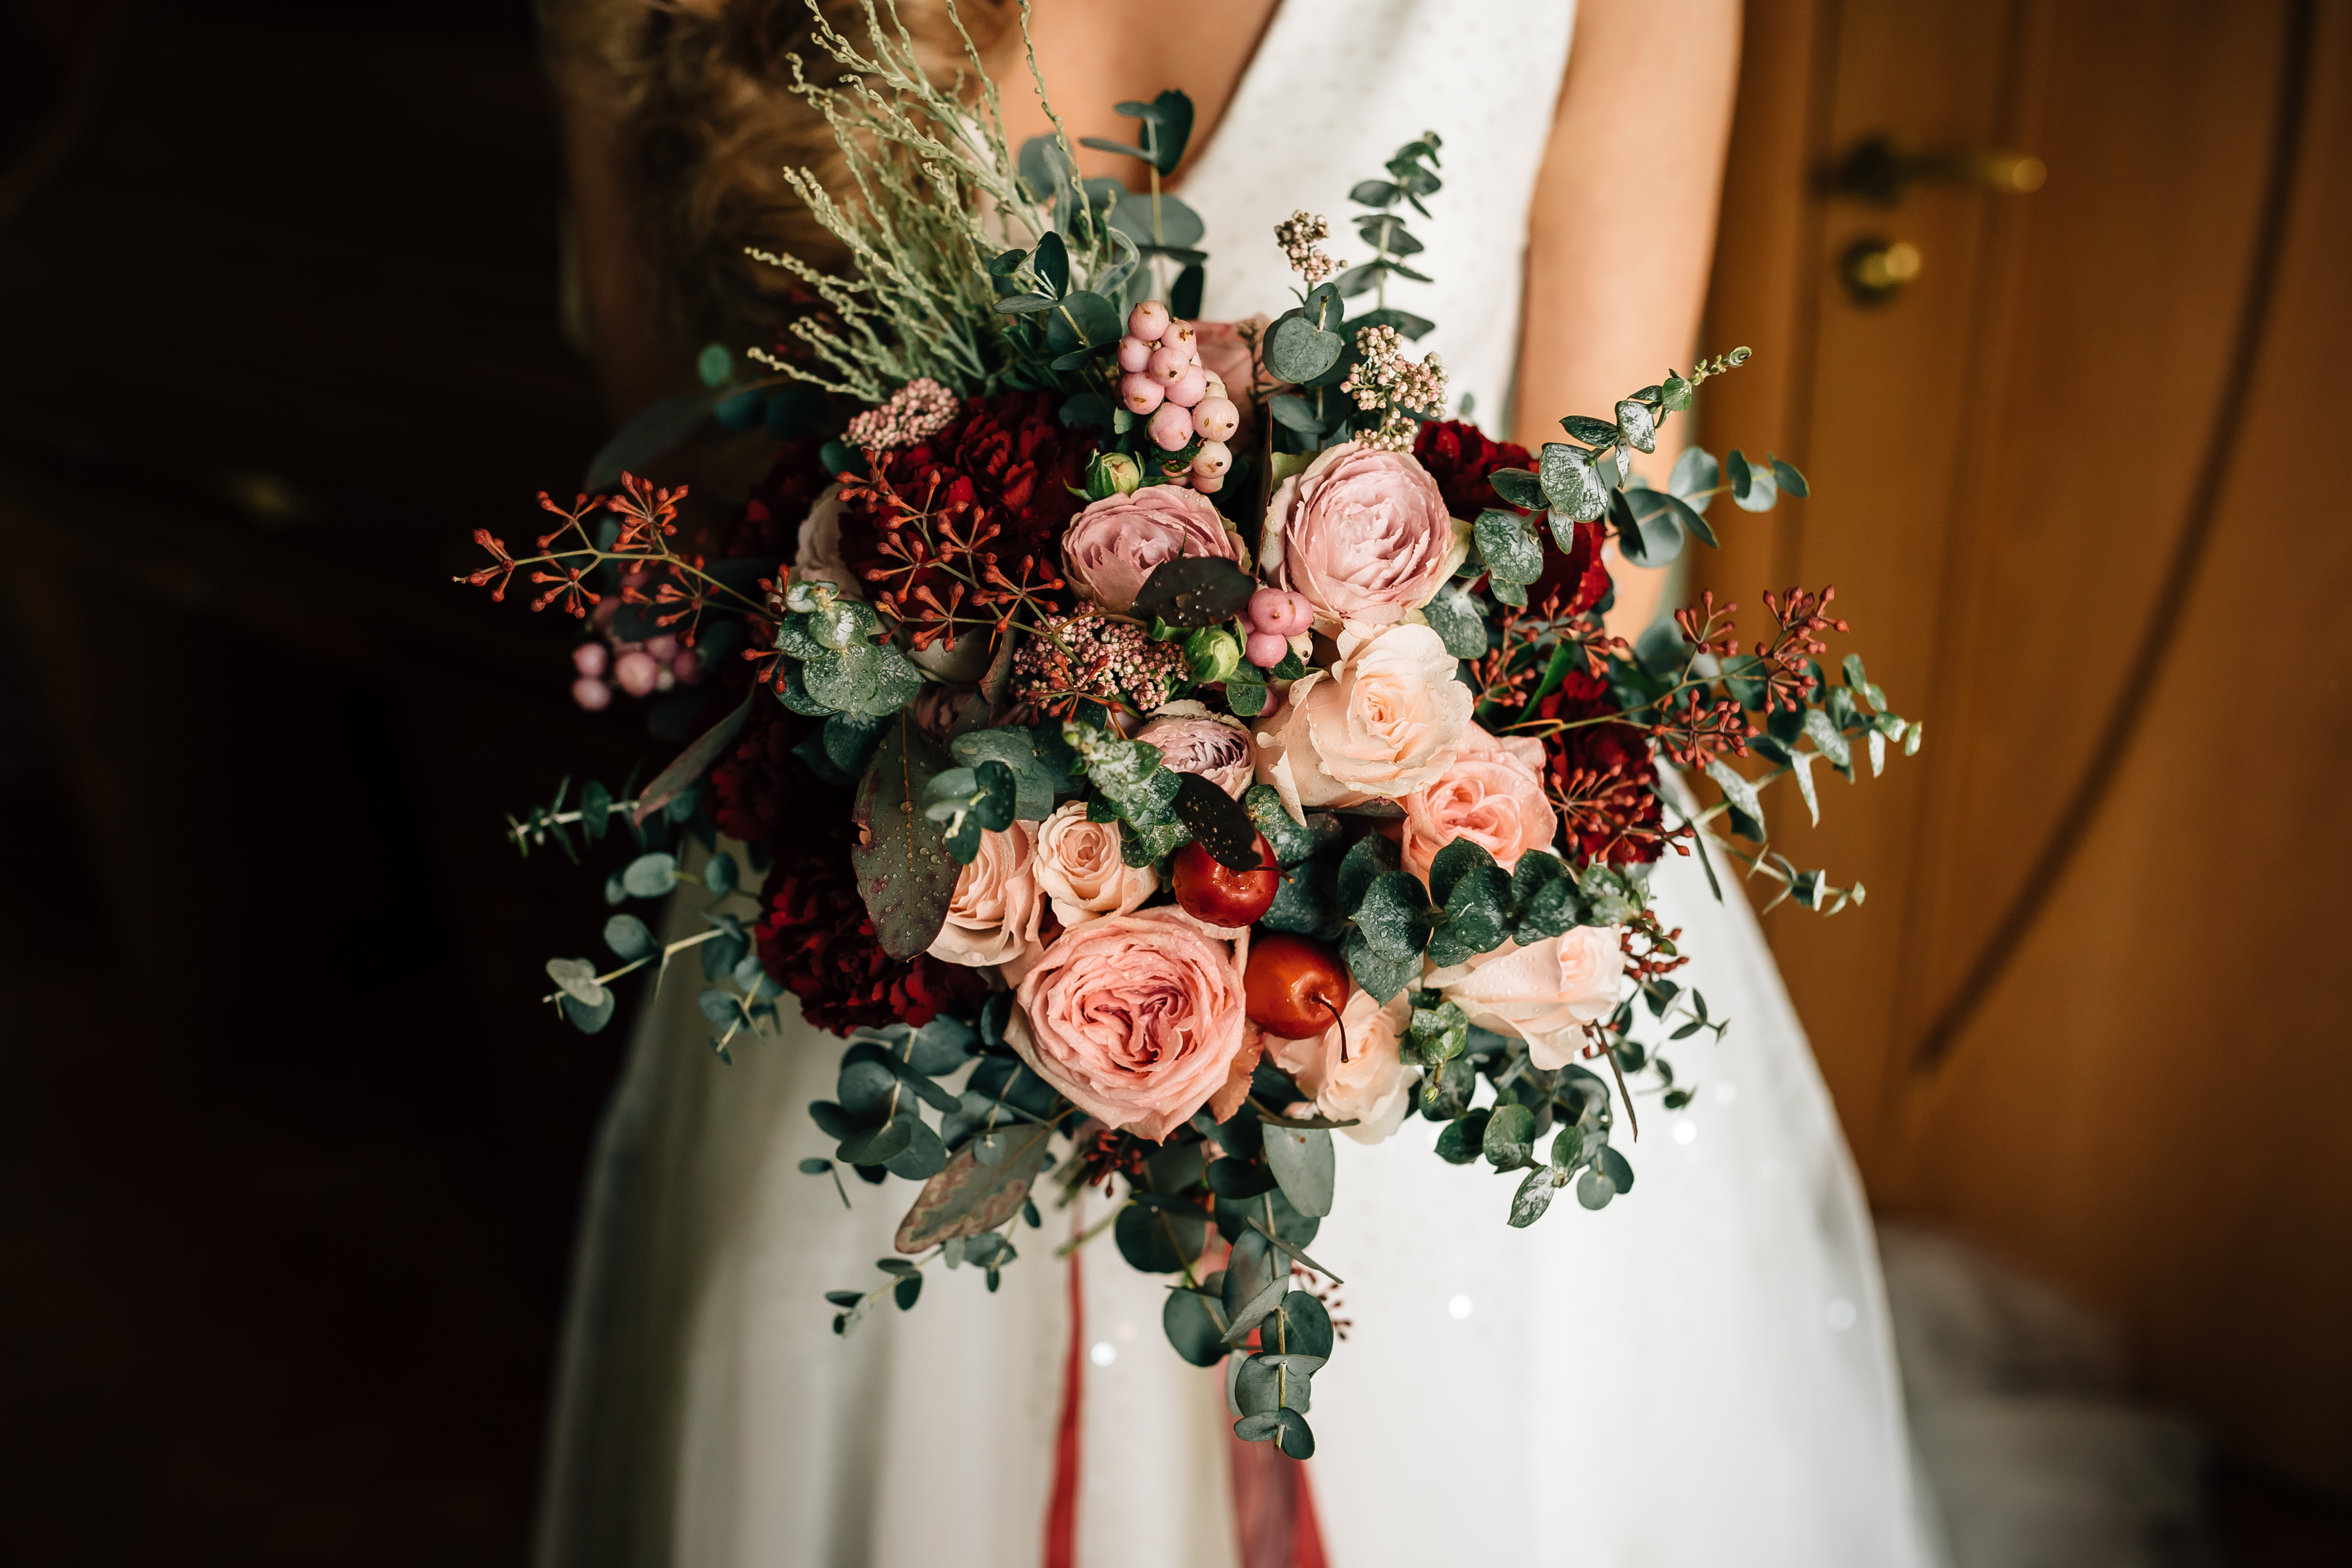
[1164,743]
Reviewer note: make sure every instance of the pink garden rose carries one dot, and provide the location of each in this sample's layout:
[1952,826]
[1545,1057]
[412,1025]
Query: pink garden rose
[1363,533]
[1192,740]
[1373,1087]
[1112,546]
[998,906]
[1224,355]
[1386,721]
[1136,1019]
[1492,795]
[1545,993]
[1080,869]
[818,555]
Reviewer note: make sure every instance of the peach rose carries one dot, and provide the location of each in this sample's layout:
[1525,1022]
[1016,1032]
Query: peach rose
[1112,546]
[1373,1087]
[1363,533]
[1080,867]
[998,906]
[1492,795]
[1136,1019]
[1224,355]
[1386,721]
[1192,740]
[1545,993]
[818,557]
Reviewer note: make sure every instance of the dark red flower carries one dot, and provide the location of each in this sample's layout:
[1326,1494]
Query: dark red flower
[817,941]
[761,791]
[767,526]
[1601,777]
[1462,459]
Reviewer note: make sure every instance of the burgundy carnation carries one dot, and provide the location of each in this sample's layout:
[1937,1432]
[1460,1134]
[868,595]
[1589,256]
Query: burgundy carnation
[1615,820]
[761,790]
[1462,460]
[817,941]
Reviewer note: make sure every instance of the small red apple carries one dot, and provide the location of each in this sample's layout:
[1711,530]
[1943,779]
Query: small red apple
[1211,892]
[1295,987]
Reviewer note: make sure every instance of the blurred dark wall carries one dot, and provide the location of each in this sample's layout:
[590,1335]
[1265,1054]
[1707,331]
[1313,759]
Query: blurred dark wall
[289,1156]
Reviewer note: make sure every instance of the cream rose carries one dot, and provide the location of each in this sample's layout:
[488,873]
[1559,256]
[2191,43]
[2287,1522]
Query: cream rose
[1493,794]
[1079,866]
[1363,533]
[1136,1019]
[1192,740]
[1386,721]
[998,906]
[1111,547]
[1545,993]
[1373,1087]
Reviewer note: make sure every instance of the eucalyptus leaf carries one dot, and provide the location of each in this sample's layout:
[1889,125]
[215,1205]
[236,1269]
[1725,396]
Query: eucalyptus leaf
[1457,621]
[1571,484]
[1302,1163]
[1512,552]
[1195,1326]
[628,937]
[969,1198]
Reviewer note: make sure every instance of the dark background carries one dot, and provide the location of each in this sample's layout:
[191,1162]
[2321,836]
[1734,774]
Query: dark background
[289,1153]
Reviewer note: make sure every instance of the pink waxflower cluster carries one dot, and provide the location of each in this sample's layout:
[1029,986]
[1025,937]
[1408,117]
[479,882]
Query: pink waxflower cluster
[1114,662]
[1384,378]
[1162,378]
[916,412]
[1301,236]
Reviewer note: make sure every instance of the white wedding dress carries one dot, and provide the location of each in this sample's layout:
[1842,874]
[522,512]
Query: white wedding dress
[1700,1375]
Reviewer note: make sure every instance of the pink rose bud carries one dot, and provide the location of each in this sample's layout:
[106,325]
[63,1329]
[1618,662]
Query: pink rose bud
[1180,335]
[1134,354]
[590,658]
[663,647]
[686,666]
[1266,649]
[1171,427]
[1213,459]
[1148,320]
[1216,416]
[592,694]
[1282,613]
[640,672]
[1167,362]
[1189,388]
[1139,394]
[1208,484]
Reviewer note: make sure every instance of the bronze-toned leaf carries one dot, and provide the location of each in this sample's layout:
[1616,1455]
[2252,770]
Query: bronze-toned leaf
[904,871]
[969,1197]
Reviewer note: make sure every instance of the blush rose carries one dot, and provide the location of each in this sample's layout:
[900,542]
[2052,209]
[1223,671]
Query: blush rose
[1080,868]
[998,906]
[1373,1087]
[1136,1019]
[1112,546]
[1492,794]
[817,557]
[1192,740]
[1385,721]
[1363,533]
[1545,993]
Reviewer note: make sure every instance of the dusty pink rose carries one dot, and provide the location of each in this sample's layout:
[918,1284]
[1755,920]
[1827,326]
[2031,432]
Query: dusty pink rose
[1224,355]
[1386,721]
[1192,740]
[1112,546]
[1136,1019]
[1545,993]
[998,906]
[1363,533]
[1080,867]
[1373,1087]
[1492,795]
[818,555]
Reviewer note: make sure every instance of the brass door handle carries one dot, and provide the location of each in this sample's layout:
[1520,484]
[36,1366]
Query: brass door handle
[1881,171]
[1876,270]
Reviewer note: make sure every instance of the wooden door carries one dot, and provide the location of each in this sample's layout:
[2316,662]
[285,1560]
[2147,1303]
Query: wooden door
[2077,485]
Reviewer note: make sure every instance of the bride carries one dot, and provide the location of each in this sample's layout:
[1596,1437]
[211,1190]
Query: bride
[1702,1374]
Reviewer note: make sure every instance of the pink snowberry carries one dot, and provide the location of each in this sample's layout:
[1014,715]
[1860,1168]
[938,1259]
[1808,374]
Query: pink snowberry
[1181,335]
[1280,613]
[1207,484]
[686,666]
[1216,382]
[592,694]
[1189,388]
[1266,649]
[1166,364]
[638,671]
[1213,459]
[1148,320]
[1215,416]
[663,647]
[1134,354]
[590,658]
[1171,427]
[1139,394]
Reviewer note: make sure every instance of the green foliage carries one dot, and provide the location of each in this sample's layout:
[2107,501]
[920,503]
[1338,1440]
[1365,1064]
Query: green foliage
[904,871]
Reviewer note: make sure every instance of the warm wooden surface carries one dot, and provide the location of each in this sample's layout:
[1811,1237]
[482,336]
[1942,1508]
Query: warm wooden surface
[2004,459]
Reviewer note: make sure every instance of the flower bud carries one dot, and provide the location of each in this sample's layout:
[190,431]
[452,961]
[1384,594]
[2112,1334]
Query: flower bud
[1214,653]
[1171,427]
[1112,474]
[1148,320]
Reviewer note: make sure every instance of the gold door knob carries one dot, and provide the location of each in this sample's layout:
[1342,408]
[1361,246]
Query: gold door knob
[1876,270]
[1881,171]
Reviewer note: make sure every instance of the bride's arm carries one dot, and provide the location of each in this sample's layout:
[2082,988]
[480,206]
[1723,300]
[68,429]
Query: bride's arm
[1623,228]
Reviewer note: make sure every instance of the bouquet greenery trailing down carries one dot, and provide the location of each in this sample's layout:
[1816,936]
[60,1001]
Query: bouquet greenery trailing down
[1158,744]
